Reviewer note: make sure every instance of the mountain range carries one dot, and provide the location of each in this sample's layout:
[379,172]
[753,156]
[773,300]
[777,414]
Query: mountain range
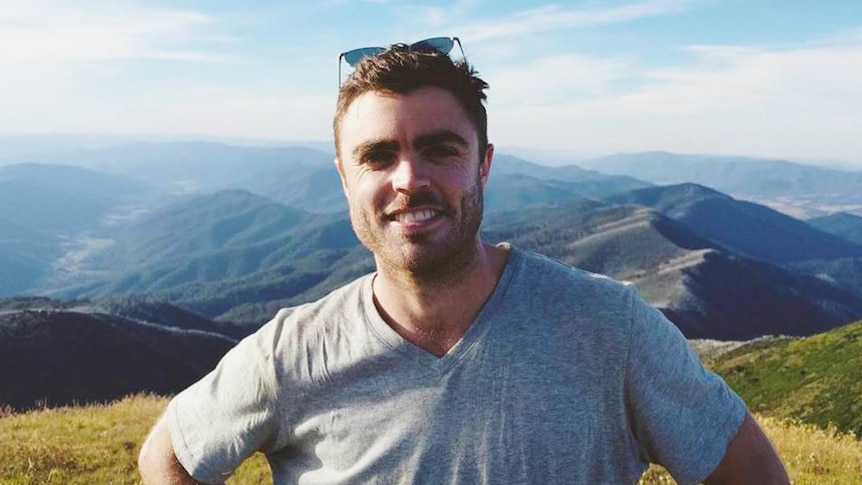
[130,246]
[802,190]
[238,254]
[235,255]
[742,227]
[44,207]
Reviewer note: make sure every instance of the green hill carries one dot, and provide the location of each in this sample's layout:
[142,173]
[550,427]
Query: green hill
[817,379]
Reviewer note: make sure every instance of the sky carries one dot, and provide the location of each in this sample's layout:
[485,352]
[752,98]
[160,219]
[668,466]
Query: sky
[766,78]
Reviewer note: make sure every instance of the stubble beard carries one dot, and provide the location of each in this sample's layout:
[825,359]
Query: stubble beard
[428,262]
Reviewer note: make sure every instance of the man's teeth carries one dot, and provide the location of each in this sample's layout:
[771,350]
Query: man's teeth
[414,216]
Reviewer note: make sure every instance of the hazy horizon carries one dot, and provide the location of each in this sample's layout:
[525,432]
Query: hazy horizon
[23,145]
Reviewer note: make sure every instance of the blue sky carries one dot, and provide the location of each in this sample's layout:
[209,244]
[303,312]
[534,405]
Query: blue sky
[760,78]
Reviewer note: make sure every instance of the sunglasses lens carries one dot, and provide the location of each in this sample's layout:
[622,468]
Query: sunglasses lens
[442,44]
[435,44]
[353,57]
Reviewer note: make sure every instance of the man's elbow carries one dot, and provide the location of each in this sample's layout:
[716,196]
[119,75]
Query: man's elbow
[149,461]
[750,458]
[157,461]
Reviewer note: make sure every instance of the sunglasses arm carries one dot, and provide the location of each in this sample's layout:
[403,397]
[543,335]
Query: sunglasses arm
[340,57]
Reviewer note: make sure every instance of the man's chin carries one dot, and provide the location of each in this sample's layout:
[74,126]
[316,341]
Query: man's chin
[419,259]
[427,262]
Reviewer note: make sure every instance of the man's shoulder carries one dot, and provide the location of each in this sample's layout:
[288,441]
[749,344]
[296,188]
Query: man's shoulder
[548,290]
[342,299]
[308,320]
[545,272]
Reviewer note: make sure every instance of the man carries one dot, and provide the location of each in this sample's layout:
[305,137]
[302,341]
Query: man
[457,361]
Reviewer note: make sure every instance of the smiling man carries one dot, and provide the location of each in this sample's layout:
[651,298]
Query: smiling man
[457,361]
[413,168]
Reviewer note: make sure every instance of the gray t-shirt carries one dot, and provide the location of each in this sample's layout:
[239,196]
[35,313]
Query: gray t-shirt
[564,377]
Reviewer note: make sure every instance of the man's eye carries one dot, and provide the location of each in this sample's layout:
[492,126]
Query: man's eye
[378,158]
[440,151]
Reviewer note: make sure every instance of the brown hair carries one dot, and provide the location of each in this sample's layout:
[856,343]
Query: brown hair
[402,70]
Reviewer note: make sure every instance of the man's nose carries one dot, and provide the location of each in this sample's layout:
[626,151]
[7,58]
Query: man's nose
[410,175]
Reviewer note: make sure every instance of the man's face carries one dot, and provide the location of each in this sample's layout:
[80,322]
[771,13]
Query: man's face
[411,170]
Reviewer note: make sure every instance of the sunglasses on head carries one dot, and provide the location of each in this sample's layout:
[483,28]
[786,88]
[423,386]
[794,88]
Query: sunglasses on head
[439,44]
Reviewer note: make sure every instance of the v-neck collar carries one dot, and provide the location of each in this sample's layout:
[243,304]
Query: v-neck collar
[473,334]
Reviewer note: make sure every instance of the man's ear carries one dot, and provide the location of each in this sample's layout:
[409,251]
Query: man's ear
[340,169]
[485,167]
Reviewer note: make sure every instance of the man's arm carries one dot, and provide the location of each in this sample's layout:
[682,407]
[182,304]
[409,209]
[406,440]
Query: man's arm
[157,462]
[750,459]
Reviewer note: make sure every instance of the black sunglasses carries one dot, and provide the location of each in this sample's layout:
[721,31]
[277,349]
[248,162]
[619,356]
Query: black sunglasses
[439,44]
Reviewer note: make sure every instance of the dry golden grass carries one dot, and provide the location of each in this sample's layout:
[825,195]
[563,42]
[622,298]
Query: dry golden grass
[815,455]
[96,444]
[99,445]
[811,455]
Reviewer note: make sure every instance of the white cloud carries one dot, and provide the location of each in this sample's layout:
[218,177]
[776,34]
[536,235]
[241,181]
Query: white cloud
[430,17]
[551,18]
[178,108]
[802,80]
[71,66]
[799,102]
[44,31]
[220,112]
[549,79]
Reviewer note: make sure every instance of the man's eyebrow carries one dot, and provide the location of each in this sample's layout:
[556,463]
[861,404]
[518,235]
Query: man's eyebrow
[374,145]
[439,137]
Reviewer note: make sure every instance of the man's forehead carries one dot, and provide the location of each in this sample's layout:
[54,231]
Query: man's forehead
[423,102]
[378,115]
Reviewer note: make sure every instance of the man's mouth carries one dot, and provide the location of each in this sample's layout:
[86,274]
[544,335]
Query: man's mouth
[415,216]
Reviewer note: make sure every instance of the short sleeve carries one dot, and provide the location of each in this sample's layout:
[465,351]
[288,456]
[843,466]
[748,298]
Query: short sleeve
[682,415]
[228,415]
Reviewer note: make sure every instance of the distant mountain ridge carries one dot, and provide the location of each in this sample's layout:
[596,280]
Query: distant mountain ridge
[841,224]
[43,207]
[74,179]
[803,190]
[728,173]
[62,199]
[202,223]
[59,353]
[215,252]
[509,165]
[748,229]
[205,166]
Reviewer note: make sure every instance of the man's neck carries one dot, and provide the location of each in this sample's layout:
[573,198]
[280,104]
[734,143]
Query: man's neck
[435,316]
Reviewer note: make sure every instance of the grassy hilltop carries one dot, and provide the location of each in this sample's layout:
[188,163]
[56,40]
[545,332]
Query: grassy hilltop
[85,445]
[100,443]
[817,379]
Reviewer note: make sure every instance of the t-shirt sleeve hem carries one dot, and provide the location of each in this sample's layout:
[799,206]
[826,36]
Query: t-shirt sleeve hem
[732,424]
[184,454]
